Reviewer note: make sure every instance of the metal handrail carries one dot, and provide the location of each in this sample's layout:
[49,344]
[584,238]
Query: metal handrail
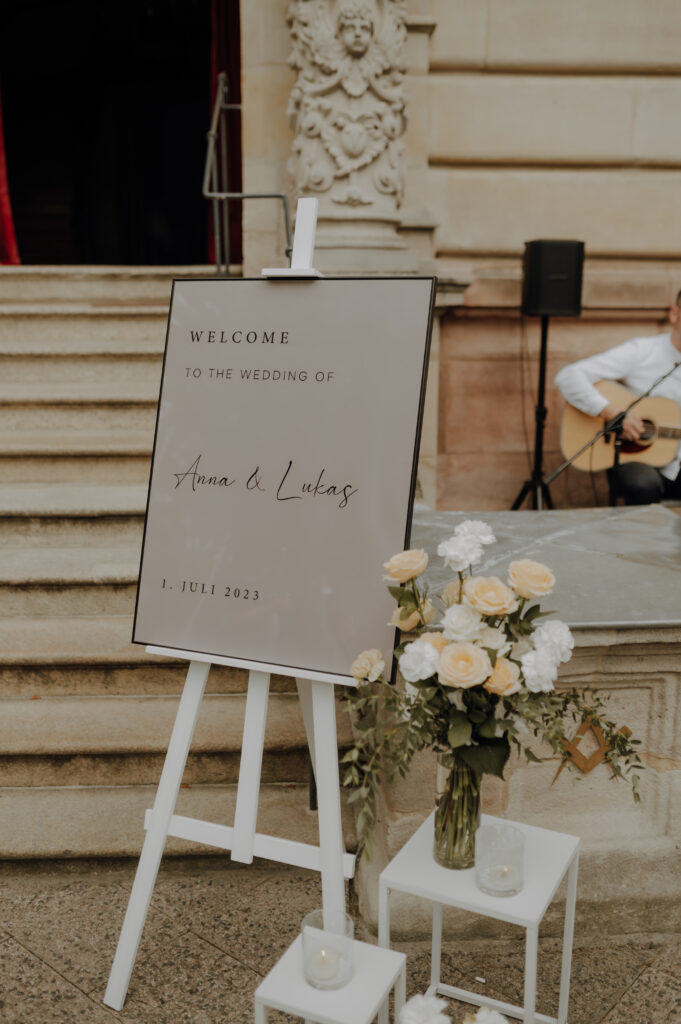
[215,175]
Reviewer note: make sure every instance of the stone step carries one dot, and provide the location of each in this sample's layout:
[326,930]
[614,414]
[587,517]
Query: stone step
[160,677]
[77,443]
[141,285]
[71,515]
[70,640]
[41,391]
[70,581]
[108,821]
[68,456]
[139,725]
[76,413]
[104,469]
[30,323]
[19,373]
[65,500]
[69,530]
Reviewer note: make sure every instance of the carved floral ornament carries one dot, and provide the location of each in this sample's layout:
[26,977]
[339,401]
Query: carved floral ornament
[347,106]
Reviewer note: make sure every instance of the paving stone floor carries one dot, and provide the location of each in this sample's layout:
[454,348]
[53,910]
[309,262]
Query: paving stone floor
[214,930]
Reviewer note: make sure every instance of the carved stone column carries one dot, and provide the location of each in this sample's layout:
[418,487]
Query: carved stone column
[347,110]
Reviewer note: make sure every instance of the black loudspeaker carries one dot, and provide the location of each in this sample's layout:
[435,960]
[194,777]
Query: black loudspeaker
[552,278]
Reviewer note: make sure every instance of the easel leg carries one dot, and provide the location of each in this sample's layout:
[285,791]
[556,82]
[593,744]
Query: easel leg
[154,843]
[320,725]
[246,814]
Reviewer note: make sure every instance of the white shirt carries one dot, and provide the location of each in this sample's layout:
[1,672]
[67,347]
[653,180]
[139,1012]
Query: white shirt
[636,364]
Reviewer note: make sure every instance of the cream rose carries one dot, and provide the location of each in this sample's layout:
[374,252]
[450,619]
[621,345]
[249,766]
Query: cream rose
[414,619]
[463,665]
[368,665]
[407,565]
[530,579]
[438,640]
[451,594]
[505,678]
[489,596]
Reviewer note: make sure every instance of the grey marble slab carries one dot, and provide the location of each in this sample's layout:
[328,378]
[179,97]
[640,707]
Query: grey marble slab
[614,567]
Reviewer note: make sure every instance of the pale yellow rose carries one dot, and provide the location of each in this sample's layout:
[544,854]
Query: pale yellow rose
[407,565]
[368,665]
[463,665]
[530,579]
[505,678]
[413,620]
[489,596]
[451,593]
[438,640]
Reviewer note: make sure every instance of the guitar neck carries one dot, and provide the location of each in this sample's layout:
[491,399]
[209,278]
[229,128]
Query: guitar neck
[674,432]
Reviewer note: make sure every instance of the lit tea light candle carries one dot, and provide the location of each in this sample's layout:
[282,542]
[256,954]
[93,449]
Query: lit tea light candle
[499,859]
[323,965]
[327,947]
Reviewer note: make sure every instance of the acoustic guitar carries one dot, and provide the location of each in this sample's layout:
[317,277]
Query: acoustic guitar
[657,446]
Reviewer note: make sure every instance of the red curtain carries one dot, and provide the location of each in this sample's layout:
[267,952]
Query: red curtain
[8,243]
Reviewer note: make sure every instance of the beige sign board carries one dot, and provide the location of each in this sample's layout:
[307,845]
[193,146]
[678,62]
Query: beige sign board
[284,468]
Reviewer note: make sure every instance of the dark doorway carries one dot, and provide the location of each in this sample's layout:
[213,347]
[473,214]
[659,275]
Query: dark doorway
[106,108]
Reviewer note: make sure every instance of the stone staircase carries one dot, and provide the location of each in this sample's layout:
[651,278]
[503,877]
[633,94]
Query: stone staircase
[85,716]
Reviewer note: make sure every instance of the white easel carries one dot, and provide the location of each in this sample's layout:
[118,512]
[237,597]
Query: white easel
[319,715]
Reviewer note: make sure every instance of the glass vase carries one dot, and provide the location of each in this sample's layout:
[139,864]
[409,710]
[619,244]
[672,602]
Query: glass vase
[457,812]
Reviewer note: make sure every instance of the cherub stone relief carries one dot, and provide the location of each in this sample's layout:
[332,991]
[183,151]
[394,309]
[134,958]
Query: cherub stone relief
[347,107]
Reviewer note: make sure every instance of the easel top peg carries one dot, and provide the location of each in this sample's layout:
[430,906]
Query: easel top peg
[303,244]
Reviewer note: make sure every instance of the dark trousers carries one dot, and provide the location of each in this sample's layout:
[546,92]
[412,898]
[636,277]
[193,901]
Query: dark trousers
[640,484]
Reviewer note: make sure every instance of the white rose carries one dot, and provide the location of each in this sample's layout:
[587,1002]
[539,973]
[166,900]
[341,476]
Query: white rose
[486,1015]
[418,661]
[460,551]
[424,1010]
[461,622]
[539,670]
[476,528]
[556,638]
[488,636]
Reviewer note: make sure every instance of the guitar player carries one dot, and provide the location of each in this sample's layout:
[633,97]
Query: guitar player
[636,364]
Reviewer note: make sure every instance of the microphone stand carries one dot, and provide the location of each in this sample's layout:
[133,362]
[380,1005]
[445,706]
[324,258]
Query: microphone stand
[613,426]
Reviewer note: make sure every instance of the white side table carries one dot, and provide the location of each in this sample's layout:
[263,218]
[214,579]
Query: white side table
[548,856]
[358,1002]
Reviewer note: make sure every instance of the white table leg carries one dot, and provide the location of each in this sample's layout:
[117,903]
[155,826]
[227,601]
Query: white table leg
[383,915]
[328,797]
[400,990]
[260,1012]
[157,833]
[531,951]
[568,933]
[436,947]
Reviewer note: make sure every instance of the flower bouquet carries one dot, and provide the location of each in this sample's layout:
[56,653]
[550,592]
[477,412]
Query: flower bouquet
[479,683]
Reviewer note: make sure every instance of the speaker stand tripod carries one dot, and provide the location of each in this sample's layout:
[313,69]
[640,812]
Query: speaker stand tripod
[541,497]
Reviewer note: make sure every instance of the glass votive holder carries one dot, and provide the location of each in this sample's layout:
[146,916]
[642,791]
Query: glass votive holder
[328,949]
[499,859]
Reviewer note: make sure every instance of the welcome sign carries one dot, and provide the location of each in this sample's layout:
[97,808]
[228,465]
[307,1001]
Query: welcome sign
[284,468]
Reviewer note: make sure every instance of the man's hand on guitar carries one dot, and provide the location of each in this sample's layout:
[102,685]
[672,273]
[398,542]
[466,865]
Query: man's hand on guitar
[632,426]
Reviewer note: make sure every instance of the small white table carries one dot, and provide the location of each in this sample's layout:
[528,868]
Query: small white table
[358,1002]
[548,856]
